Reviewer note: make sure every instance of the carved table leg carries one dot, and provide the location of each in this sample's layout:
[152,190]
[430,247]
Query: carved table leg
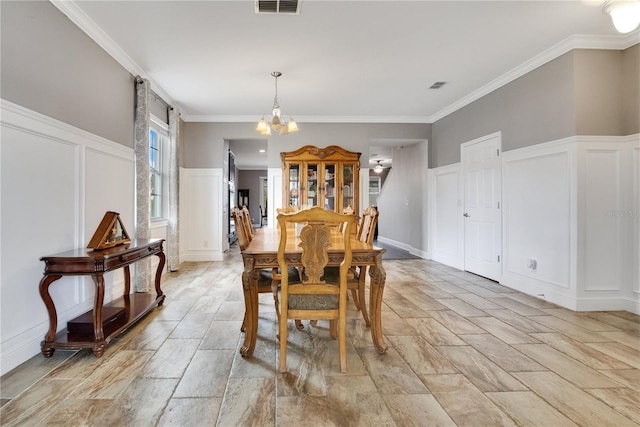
[159,293]
[98,332]
[46,346]
[127,280]
[250,288]
[378,277]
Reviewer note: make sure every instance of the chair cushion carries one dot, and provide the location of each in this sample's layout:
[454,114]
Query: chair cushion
[313,302]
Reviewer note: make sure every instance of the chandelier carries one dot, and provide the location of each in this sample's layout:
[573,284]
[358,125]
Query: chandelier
[378,168]
[276,123]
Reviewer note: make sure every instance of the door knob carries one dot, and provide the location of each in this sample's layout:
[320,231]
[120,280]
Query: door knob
[466,215]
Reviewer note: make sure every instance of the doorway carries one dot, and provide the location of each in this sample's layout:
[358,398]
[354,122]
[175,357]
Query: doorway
[481,168]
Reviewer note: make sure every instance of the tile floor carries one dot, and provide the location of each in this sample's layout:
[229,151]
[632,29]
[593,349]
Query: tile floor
[463,351]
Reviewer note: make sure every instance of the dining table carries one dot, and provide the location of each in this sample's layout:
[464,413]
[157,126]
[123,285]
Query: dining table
[262,252]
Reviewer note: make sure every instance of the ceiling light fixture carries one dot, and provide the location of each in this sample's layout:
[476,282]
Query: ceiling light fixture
[625,14]
[378,167]
[276,123]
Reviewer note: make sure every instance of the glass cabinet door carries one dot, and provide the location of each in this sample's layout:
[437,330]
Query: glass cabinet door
[294,185]
[312,185]
[329,188]
[348,190]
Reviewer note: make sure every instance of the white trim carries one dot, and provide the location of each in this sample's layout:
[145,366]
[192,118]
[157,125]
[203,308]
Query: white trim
[18,117]
[310,119]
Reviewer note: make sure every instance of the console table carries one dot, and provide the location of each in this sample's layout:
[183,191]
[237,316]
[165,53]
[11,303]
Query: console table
[94,263]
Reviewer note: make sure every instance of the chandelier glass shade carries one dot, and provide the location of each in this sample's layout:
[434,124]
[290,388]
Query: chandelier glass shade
[625,14]
[276,123]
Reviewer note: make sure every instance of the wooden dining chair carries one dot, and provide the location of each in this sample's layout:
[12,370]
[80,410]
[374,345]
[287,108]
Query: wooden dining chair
[268,278]
[247,222]
[314,297]
[356,278]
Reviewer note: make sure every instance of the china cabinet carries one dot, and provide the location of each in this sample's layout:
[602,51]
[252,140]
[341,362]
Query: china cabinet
[326,177]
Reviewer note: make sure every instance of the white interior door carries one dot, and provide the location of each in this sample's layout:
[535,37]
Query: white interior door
[482,199]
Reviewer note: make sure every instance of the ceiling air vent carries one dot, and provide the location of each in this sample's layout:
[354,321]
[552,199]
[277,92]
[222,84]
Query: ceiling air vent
[291,7]
[437,85]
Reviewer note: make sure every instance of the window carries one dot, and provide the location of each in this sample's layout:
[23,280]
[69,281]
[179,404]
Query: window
[158,141]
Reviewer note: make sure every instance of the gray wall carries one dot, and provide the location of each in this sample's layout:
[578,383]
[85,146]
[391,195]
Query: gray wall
[51,66]
[203,142]
[631,94]
[534,108]
[583,92]
[250,180]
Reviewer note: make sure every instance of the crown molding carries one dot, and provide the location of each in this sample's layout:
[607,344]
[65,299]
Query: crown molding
[89,26]
[577,41]
[307,119]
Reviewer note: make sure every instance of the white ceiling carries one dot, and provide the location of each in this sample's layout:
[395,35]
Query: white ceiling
[342,61]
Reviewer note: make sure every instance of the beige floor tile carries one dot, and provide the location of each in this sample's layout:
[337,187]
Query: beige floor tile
[462,308]
[528,410]
[152,336]
[619,351]
[627,377]
[424,301]
[433,332]
[110,379]
[194,325]
[17,380]
[206,375]
[464,403]
[192,412]
[421,356]
[480,291]
[405,308]
[623,337]
[390,373]
[516,306]
[521,323]
[580,318]
[171,359]
[32,406]
[501,354]
[482,372]
[574,403]
[417,410]
[478,302]
[358,400]
[623,400]
[222,335]
[249,402]
[79,412]
[570,369]
[583,353]
[392,324]
[531,300]
[455,323]
[141,404]
[501,330]
[569,329]
[616,321]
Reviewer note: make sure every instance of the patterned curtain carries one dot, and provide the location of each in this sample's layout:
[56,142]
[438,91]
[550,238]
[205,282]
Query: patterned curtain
[142,280]
[173,253]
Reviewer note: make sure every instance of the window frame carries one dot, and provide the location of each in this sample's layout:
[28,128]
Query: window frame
[161,130]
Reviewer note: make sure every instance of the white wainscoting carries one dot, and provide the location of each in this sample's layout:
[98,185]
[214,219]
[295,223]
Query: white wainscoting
[571,205]
[201,214]
[607,223]
[57,183]
[446,220]
[539,221]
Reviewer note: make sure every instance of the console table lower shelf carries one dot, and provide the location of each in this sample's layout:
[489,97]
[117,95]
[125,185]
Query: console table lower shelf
[136,306]
[101,325]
